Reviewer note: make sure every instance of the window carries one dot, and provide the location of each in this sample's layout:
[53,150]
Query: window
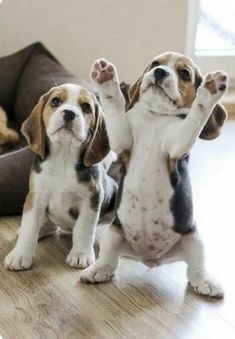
[211,35]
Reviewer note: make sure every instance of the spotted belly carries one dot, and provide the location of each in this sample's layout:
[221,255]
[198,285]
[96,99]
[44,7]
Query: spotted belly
[151,243]
[148,226]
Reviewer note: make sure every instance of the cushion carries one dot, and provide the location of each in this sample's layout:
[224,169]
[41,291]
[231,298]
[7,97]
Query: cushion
[41,72]
[11,68]
[24,77]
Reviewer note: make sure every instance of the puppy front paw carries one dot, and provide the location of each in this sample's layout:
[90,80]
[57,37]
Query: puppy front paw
[95,274]
[80,260]
[104,75]
[207,286]
[18,261]
[212,88]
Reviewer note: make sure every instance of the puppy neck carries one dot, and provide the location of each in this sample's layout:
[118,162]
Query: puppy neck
[65,150]
[160,108]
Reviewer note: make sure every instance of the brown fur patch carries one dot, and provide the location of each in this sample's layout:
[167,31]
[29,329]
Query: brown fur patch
[171,164]
[125,158]
[163,60]
[98,143]
[48,109]
[90,180]
[187,89]
[85,97]
[28,204]
[151,247]
[95,201]
[134,91]
[73,212]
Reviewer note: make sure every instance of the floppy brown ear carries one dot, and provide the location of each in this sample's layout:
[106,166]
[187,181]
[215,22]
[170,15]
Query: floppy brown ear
[214,124]
[134,91]
[98,144]
[33,127]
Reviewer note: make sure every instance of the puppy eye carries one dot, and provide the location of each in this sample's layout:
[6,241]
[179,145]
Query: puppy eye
[86,108]
[184,74]
[56,102]
[154,64]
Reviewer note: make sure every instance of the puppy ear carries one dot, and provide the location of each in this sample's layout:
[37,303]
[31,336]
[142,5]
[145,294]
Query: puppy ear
[134,91]
[98,144]
[33,127]
[214,124]
[198,78]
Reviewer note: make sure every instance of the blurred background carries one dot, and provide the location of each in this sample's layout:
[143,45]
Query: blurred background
[129,32]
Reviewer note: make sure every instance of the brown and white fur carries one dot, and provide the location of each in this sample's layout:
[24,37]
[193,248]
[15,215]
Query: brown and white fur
[170,106]
[69,186]
[8,137]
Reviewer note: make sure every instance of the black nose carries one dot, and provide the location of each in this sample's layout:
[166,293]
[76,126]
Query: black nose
[68,115]
[160,73]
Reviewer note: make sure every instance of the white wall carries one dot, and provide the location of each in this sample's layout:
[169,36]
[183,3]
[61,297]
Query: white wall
[128,32]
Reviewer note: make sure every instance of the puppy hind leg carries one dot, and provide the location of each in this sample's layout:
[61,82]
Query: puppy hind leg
[112,246]
[198,276]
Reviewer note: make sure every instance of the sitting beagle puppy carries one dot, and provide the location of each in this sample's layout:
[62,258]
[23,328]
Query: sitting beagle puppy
[68,184]
[170,106]
[8,137]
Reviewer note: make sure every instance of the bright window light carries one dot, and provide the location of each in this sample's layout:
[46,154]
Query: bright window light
[215,33]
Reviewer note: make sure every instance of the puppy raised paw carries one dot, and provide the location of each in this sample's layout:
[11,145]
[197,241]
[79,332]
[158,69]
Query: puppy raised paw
[105,77]
[212,88]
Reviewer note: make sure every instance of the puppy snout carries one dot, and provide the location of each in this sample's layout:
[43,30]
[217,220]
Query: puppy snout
[160,73]
[68,115]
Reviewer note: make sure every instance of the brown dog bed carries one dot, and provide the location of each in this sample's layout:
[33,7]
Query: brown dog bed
[24,77]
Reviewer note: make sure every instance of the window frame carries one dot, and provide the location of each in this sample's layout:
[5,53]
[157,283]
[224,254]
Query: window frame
[206,63]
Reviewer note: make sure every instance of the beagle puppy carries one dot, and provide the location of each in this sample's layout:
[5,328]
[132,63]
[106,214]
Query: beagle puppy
[170,106]
[8,137]
[68,186]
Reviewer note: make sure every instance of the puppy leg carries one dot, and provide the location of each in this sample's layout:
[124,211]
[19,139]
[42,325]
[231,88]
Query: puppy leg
[20,258]
[112,246]
[82,253]
[180,141]
[105,77]
[190,249]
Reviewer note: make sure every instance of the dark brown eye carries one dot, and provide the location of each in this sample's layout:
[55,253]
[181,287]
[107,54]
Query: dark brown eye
[184,74]
[154,64]
[56,102]
[86,108]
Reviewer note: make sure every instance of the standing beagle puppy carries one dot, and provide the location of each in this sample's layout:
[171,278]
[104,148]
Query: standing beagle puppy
[170,106]
[68,184]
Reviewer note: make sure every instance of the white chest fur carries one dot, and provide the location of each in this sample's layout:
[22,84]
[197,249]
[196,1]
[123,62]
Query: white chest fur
[58,184]
[144,210]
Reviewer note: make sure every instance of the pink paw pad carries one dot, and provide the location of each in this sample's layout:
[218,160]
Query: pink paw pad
[102,71]
[215,82]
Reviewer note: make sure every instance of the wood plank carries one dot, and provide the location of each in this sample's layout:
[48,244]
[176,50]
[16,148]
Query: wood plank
[48,302]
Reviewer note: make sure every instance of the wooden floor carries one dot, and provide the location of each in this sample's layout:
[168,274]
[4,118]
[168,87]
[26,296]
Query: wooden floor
[48,302]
